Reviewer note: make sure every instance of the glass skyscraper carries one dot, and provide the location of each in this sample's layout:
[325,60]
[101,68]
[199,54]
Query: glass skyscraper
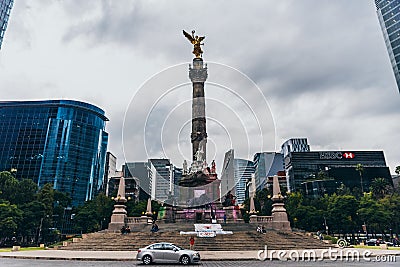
[5,9]
[236,173]
[242,173]
[266,164]
[62,142]
[389,18]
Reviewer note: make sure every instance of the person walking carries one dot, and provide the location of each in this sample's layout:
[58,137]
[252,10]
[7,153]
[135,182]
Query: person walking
[191,241]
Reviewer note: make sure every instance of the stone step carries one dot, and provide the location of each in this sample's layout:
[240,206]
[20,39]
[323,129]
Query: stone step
[243,240]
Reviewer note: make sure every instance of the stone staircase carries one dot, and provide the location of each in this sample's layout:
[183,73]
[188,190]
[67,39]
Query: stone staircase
[244,238]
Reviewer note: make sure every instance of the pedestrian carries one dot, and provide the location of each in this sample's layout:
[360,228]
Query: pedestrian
[154,228]
[191,242]
[224,218]
[123,230]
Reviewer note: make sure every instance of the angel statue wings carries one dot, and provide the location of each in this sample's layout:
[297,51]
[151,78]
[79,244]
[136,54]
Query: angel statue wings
[196,41]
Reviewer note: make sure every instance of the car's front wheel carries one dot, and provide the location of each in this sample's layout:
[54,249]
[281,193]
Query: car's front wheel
[146,259]
[185,260]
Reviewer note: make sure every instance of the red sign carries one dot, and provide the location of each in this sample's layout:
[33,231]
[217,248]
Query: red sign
[348,155]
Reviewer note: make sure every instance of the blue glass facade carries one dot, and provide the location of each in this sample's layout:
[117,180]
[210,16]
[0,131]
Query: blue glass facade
[62,142]
[389,18]
[266,164]
[5,9]
[242,173]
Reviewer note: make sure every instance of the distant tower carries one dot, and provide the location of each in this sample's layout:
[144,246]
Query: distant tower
[198,75]
[5,9]
[388,14]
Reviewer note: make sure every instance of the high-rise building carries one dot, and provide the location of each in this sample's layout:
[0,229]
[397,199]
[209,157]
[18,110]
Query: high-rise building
[295,145]
[266,164]
[228,173]
[161,178]
[338,166]
[5,9]
[236,173]
[62,142]
[389,18]
[396,181]
[243,171]
[110,170]
[139,171]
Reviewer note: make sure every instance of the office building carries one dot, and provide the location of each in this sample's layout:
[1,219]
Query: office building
[5,9]
[139,171]
[337,167]
[266,164]
[110,170]
[62,142]
[242,174]
[161,179]
[131,186]
[388,12]
[236,173]
[396,181]
[295,145]
[228,174]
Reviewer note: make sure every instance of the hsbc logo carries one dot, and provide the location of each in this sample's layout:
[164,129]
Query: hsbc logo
[330,155]
[348,155]
[336,155]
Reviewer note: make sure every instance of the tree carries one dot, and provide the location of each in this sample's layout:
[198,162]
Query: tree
[380,187]
[33,212]
[8,187]
[46,196]
[25,192]
[397,171]
[10,217]
[343,190]
[374,214]
[360,169]
[263,197]
[93,215]
[342,212]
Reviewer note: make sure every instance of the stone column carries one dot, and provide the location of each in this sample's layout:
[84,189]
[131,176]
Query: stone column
[280,218]
[198,75]
[119,213]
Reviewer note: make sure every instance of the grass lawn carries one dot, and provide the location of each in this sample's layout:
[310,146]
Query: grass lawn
[22,249]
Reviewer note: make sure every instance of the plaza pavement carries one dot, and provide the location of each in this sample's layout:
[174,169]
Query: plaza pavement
[50,254]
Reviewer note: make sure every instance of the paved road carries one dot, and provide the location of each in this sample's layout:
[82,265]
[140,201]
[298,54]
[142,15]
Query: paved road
[57,263]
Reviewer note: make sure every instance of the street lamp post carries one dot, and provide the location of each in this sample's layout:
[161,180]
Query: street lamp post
[326,226]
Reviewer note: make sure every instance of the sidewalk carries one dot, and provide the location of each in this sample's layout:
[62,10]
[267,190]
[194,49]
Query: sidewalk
[205,255]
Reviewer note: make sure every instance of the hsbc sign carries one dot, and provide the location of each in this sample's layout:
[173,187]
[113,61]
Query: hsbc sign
[348,155]
[330,155]
[336,155]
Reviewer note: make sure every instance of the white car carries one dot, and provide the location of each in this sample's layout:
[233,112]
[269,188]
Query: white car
[167,253]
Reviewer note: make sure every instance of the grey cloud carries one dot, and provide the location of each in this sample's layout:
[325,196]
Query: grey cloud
[321,64]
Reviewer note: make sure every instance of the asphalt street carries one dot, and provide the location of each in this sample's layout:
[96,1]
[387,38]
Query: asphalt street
[61,263]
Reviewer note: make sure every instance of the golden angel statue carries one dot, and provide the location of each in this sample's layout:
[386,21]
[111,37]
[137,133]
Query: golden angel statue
[196,41]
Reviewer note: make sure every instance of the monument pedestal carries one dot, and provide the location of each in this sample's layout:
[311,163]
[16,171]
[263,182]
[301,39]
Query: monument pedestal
[280,218]
[117,218]
[233,214]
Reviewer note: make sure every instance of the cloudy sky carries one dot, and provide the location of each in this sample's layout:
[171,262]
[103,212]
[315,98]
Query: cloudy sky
[320,70]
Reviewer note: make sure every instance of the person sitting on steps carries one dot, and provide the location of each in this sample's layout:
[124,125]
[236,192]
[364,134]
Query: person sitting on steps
[154,228]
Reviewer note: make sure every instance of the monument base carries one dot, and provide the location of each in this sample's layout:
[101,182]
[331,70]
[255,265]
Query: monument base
[233,214]
[117,218]
[280,218]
